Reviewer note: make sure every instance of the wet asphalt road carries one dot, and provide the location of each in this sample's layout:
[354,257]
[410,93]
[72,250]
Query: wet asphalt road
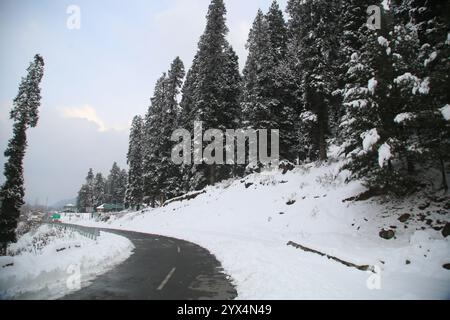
[160,269]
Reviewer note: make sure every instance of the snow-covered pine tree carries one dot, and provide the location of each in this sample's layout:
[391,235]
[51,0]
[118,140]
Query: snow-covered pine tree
[99,190]
[175,77]
[383,90]
[81,198]
[24,115]
[187,116]
[90,196]
[265,100]
[257,97]
[86,196]
[368,122]
[277,31]
[353,16]
[170,174]
[116,185]
[134,193]
[313,26]
[122,189]
[208,87]
[153,142]
[431,119]
[284,90]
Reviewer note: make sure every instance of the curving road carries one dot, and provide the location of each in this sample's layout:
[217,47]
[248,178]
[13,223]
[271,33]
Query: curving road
[160,268]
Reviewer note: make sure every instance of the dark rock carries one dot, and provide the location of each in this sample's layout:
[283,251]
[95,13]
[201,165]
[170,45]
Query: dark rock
[248,185]
[429,222]
[282,213]
[286,166]
[405,217]
[374,192]
[446,230]
[408,262]
[290,202]
[387,234]
[446,266]
[424,206]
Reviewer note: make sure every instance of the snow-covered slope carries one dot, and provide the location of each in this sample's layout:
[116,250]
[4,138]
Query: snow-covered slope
[247,224]
[48,262]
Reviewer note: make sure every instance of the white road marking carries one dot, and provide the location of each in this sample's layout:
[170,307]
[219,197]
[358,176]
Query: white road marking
[163,284]
[179,250]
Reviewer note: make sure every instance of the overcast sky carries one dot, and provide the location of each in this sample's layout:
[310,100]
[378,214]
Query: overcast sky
[96,78]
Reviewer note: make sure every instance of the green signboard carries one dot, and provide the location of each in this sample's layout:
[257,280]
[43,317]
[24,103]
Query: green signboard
[56,216]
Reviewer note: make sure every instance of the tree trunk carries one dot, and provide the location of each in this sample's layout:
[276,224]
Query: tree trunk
[153,202]
[444,175]
[212,174]
[322,132]
[410,165]
[3,247]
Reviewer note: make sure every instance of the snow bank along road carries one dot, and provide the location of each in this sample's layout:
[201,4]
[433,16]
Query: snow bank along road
[160,268]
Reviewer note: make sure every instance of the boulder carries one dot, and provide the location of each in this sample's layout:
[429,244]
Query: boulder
[387,234]
[404,217]
[446,230]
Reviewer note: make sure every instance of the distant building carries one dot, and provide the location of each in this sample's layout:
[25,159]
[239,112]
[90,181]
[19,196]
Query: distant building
[109,207]
[70,208]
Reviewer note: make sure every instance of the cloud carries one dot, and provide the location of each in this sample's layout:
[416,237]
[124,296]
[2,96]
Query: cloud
[88,113]
[60,152]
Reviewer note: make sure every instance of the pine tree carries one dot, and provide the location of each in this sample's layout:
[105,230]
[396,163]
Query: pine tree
[354,17]
[86,196]
[258,99]
[162,178]
[25,115]
[82,198]
[267,99]
[116,185]
[277,31]
[369,116]
[99,187]
[425,25]
[187,116]
[383,89]
[170,174]
[207,91]
[134,193]
[314,49]
[152,143]
[122,188]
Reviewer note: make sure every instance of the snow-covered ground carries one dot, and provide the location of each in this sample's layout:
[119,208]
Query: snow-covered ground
[247,224]
[48,263]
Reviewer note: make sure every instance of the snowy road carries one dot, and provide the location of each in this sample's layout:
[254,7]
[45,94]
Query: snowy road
[160,268]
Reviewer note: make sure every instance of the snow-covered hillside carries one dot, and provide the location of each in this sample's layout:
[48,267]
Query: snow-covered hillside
[47,263]
[248,223]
